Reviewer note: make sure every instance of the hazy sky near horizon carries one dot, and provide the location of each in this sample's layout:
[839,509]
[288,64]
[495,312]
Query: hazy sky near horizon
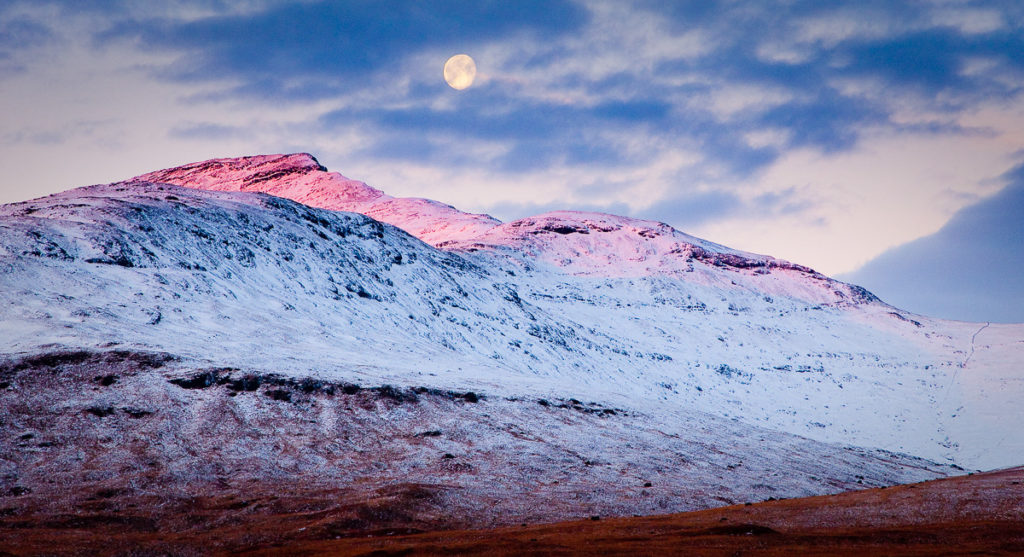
[825,133]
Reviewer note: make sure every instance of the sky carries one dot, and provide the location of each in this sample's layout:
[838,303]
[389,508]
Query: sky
[852,137]
[981,246]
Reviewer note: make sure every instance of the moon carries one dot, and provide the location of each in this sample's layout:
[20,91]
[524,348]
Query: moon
[459,71]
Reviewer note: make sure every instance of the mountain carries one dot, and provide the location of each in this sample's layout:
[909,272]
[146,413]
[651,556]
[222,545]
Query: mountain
[779,344]
[228,327]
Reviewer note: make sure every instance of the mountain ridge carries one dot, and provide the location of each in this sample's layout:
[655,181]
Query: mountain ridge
[621,246]
[331,190]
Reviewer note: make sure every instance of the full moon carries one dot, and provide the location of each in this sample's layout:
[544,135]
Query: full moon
[459,71]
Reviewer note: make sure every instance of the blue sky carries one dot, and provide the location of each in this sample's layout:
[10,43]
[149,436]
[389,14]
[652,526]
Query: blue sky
[827,133]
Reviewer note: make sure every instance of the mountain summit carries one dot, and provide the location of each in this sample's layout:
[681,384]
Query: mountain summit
[300,177]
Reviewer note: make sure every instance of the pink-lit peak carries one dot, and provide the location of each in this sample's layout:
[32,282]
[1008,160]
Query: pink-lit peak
[300,177]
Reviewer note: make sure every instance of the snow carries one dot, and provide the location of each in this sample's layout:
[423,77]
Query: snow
[301,178]
[201,262]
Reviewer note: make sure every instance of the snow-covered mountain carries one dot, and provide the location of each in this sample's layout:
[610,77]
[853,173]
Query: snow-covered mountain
[608,339]
[765,341]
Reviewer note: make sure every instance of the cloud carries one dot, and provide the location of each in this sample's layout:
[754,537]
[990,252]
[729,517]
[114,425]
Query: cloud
[690,210]
[891,50]
[931,63]
[970,270]
[531,134]
[19,33]
[829,122]
[333,46]
[579,83]
[510,211]
[205,131]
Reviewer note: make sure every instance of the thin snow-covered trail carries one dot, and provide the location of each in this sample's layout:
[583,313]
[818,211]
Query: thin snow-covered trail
[627,313]
[963,364]
[974,337]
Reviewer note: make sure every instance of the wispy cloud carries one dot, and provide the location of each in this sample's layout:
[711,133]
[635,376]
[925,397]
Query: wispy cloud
[19,33]
[331,47]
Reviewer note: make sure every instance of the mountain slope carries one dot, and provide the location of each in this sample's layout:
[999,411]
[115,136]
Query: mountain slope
[150,442]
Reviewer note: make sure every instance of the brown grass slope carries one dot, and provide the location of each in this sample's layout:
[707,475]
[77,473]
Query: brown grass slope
[980,514]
